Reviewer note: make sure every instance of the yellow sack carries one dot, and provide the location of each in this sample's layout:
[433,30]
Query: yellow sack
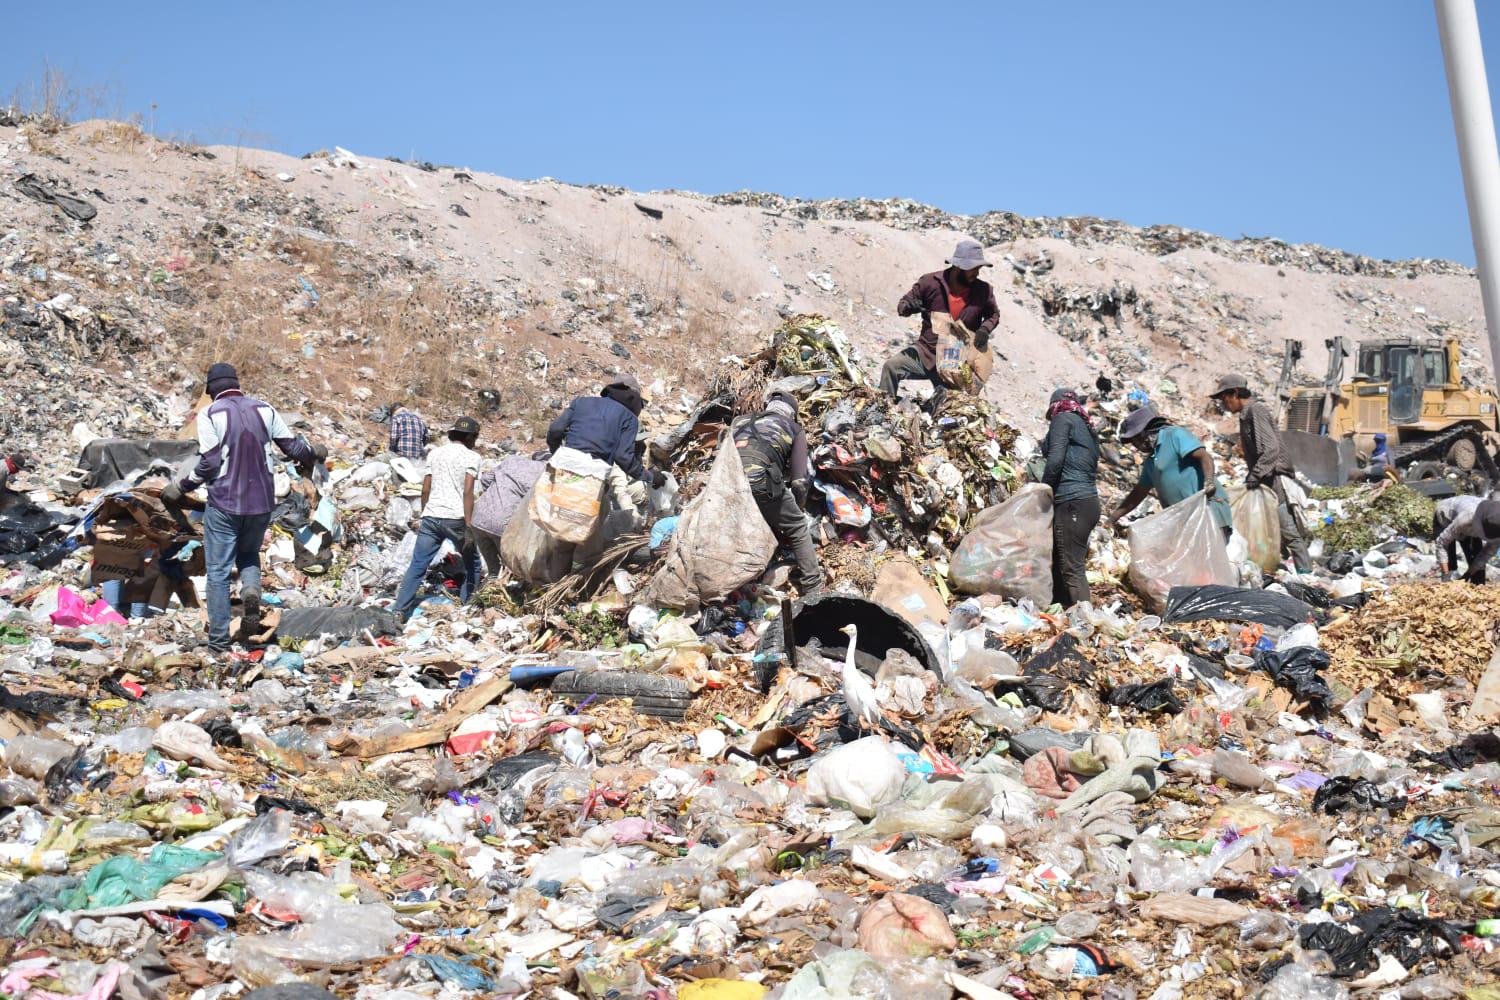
[1255,518]
[568,498]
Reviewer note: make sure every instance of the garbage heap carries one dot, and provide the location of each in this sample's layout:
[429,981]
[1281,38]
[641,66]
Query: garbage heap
[831,798]
[890,472]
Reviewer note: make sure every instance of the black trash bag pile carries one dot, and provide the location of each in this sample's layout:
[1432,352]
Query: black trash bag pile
[1299,670]
[1405,935]
[1342,794]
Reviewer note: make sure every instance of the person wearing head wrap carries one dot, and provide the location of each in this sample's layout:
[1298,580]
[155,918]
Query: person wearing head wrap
[1071,450]
[235,434]
[1174,463]
[773,450]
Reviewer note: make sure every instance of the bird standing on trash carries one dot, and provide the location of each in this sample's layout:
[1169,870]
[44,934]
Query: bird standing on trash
[859,693]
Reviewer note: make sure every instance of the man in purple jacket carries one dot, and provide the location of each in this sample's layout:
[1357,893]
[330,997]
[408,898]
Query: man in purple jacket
[955,290]
[235,433]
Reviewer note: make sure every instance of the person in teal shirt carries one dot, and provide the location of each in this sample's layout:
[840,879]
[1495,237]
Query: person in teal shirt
[1175,465]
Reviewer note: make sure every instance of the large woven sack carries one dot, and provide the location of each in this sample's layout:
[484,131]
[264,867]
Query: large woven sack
[1181,546]
[567,500]
[534,556]
[721,543]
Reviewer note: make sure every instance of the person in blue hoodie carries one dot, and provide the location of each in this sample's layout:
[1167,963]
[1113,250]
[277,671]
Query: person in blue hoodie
[235,434]
[606,427]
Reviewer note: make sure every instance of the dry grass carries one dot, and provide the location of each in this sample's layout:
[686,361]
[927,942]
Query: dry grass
[127,136]
[51,101]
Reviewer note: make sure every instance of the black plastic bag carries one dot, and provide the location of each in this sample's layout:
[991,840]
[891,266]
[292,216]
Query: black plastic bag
[1061,660]
[1343,793]
[1216,602]
[1299,670]
[1158,696]
[1478,748]
[1403,934]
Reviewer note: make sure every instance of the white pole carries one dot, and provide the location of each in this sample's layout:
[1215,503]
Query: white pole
[1469,92]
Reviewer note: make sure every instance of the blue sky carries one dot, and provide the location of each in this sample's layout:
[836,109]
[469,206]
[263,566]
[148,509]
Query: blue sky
[1324,121]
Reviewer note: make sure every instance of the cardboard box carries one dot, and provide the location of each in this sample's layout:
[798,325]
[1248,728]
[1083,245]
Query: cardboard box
[121,554]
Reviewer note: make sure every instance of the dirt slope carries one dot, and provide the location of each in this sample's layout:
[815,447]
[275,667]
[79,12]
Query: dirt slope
[340,280]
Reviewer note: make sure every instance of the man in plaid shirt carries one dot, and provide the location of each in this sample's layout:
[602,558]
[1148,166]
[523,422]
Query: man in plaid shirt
[408,433]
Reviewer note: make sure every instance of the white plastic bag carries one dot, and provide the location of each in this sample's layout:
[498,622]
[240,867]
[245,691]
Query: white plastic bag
[721,542]
[1255,519]
[861,776]
[1008,551]
[1178,547]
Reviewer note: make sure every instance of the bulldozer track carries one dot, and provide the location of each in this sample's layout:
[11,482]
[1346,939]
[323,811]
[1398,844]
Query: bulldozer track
[1436,448]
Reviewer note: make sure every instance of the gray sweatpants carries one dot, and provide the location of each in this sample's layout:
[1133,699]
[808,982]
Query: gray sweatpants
[789,525]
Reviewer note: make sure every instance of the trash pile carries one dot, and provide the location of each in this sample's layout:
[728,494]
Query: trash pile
[1360,517]
[926,782]
[992,228]
[877,791]
[890,472]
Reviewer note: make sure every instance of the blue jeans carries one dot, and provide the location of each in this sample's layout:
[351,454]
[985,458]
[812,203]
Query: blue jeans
[230,542]
[431,534]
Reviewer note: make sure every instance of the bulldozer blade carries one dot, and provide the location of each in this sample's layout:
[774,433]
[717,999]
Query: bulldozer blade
[1322,460]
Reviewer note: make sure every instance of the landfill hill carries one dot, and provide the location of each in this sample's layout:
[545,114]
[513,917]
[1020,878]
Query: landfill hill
[341,279]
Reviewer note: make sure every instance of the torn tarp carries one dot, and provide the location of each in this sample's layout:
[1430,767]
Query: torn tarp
[341,623]
[114,460]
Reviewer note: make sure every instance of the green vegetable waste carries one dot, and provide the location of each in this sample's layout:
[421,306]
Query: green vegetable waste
[1371,516]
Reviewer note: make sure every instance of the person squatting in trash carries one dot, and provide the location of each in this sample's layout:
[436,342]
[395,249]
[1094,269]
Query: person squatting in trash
[1470,523]
[605,427]
[773,451]
[235,432]
[955,290]
[1071,449]
[447,512]
[1175,464]
[409,435]
[1266,461]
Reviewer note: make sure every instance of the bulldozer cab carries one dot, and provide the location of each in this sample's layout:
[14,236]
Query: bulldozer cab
[1401,371]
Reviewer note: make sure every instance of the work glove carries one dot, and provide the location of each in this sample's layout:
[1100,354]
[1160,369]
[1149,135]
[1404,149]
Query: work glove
[20,460]
[799,492]
[172,493]
[320,453]
[982,340]
[655,478]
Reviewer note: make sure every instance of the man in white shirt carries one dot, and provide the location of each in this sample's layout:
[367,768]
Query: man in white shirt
[447,511]
[1469,523]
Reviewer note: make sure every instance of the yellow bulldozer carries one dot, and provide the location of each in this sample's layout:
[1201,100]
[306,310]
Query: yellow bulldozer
[1439,433]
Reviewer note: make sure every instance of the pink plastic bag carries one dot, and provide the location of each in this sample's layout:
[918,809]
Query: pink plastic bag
[74,612]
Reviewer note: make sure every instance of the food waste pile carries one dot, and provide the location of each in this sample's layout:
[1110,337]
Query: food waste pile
[1279,786]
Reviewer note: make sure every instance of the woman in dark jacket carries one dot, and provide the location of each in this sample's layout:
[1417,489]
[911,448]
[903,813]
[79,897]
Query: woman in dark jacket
[1071,449]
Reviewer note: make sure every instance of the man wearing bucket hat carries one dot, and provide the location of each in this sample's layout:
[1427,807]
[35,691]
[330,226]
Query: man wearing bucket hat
[1175,464]
[447,511]
[1473,524]
[1266,461]
[955,290]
